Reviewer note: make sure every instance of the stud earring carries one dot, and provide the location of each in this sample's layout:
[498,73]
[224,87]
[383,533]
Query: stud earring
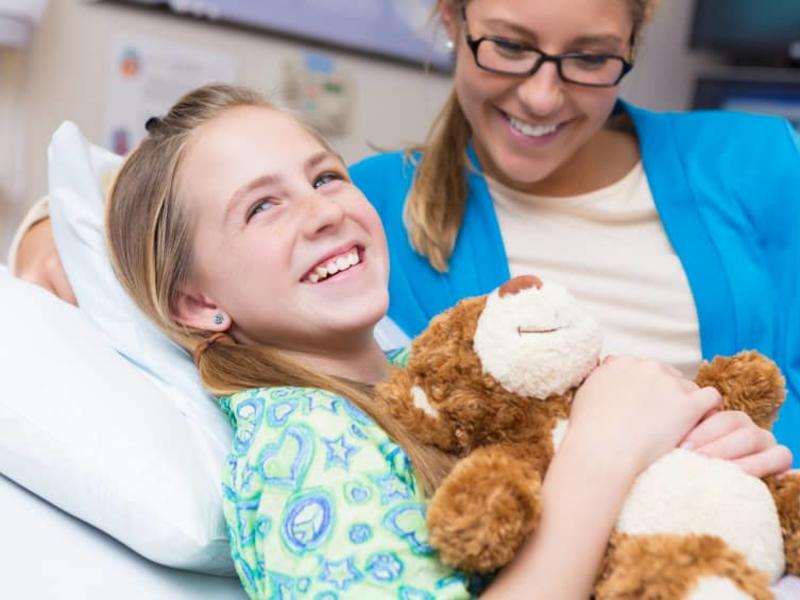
[450,45]
[219,318]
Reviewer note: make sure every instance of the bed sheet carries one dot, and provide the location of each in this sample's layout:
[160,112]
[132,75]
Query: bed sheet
[48,554]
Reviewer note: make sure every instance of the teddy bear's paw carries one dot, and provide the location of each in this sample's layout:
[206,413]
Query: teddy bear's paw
[717,588]
[484,510]
[749,382]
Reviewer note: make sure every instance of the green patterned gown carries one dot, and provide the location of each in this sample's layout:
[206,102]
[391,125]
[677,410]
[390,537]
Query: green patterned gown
[321,504]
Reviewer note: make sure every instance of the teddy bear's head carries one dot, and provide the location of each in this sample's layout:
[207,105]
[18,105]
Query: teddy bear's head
[535,339]
[527,338]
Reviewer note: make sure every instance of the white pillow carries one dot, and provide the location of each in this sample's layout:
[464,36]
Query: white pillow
[90,432]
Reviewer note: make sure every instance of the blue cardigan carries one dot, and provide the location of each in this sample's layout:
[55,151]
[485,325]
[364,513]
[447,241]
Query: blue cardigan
[727,188]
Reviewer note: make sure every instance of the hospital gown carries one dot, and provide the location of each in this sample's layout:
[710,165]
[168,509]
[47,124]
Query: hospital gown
[321,504]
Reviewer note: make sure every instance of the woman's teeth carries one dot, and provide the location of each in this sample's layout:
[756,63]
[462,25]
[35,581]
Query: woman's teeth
[531,130]
[335,265]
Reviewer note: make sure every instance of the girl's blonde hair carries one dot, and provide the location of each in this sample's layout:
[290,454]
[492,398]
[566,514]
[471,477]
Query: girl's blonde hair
[150,239]
[435,205]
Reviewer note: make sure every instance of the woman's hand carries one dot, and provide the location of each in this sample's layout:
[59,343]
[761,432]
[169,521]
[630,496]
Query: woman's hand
[732,435]
[630,412]
[38,262]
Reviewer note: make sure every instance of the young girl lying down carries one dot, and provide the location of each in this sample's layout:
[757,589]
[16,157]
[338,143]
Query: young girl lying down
[238,232]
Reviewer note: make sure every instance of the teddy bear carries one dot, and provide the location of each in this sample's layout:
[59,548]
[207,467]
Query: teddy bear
[490,383]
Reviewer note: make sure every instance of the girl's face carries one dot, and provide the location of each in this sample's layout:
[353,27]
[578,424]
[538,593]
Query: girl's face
[528,129]
[284,244]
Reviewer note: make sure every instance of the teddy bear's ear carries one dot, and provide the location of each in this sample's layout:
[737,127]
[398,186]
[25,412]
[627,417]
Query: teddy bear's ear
[444,351]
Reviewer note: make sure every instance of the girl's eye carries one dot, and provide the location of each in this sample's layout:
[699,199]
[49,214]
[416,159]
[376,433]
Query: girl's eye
[326,178]
[259,207]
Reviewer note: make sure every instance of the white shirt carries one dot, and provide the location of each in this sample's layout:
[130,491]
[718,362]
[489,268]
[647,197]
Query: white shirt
[609,248]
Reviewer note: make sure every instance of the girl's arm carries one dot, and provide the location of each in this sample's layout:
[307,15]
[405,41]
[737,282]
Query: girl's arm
[321,504]
[626,415]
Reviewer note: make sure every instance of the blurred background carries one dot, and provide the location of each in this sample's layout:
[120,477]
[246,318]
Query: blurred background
[369,73]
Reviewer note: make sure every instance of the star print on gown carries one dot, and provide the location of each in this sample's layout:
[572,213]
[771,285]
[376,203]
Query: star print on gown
[321,504]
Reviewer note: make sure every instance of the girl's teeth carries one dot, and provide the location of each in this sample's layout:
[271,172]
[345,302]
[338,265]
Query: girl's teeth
[532,130]
[340,263]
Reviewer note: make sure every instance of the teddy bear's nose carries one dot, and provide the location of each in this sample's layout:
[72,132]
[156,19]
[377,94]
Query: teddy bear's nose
[523,282]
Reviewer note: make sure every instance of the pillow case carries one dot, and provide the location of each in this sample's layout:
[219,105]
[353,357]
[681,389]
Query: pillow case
[90,432]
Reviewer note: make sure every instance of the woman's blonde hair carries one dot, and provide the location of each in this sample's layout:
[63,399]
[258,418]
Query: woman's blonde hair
[150,239]
[435,205]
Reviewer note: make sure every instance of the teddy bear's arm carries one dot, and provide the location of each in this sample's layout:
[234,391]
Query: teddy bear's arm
[485,509]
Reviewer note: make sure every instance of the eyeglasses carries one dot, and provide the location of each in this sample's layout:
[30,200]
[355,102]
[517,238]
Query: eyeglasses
[507,57]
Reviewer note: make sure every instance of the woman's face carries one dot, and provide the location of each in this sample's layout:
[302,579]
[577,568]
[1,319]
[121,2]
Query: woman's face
[527,129]
[284,244]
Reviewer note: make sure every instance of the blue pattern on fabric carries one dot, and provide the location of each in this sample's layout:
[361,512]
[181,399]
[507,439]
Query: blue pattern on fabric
[319,503]
[339,453]
[360,533]
[307,522]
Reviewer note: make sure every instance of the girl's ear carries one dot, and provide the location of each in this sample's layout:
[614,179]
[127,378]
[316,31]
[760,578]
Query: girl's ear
[450,14]
[194,309]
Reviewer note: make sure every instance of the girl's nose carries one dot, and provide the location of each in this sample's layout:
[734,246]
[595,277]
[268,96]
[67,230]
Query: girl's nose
[321,214]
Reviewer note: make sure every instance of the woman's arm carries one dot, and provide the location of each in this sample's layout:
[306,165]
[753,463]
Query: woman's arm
[36,260]
[33,255]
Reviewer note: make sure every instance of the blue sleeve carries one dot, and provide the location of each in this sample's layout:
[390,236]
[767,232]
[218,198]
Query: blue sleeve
[783,238]
[321,504]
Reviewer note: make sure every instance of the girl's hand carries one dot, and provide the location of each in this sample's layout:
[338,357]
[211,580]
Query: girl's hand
[732,435]
[630,412]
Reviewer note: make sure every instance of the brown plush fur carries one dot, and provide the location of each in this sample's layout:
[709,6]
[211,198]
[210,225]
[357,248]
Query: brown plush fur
[505,489]
[748,383]
[490,501]
[675,565]
[786,491]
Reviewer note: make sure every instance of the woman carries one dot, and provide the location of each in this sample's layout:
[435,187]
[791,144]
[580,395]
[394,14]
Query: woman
[238,232]
[678,232]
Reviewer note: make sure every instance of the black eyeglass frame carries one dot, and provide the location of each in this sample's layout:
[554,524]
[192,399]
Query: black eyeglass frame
[544,57]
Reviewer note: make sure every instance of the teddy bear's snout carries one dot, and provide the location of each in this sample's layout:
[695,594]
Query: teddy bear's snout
[516,285]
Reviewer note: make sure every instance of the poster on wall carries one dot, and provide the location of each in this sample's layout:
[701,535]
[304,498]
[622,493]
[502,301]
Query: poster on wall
[147,76]
[402,29]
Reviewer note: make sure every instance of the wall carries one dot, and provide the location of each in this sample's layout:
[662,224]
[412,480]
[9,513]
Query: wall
[64,75]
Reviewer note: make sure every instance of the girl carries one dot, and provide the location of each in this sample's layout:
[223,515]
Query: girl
[679,232]
[238,232]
